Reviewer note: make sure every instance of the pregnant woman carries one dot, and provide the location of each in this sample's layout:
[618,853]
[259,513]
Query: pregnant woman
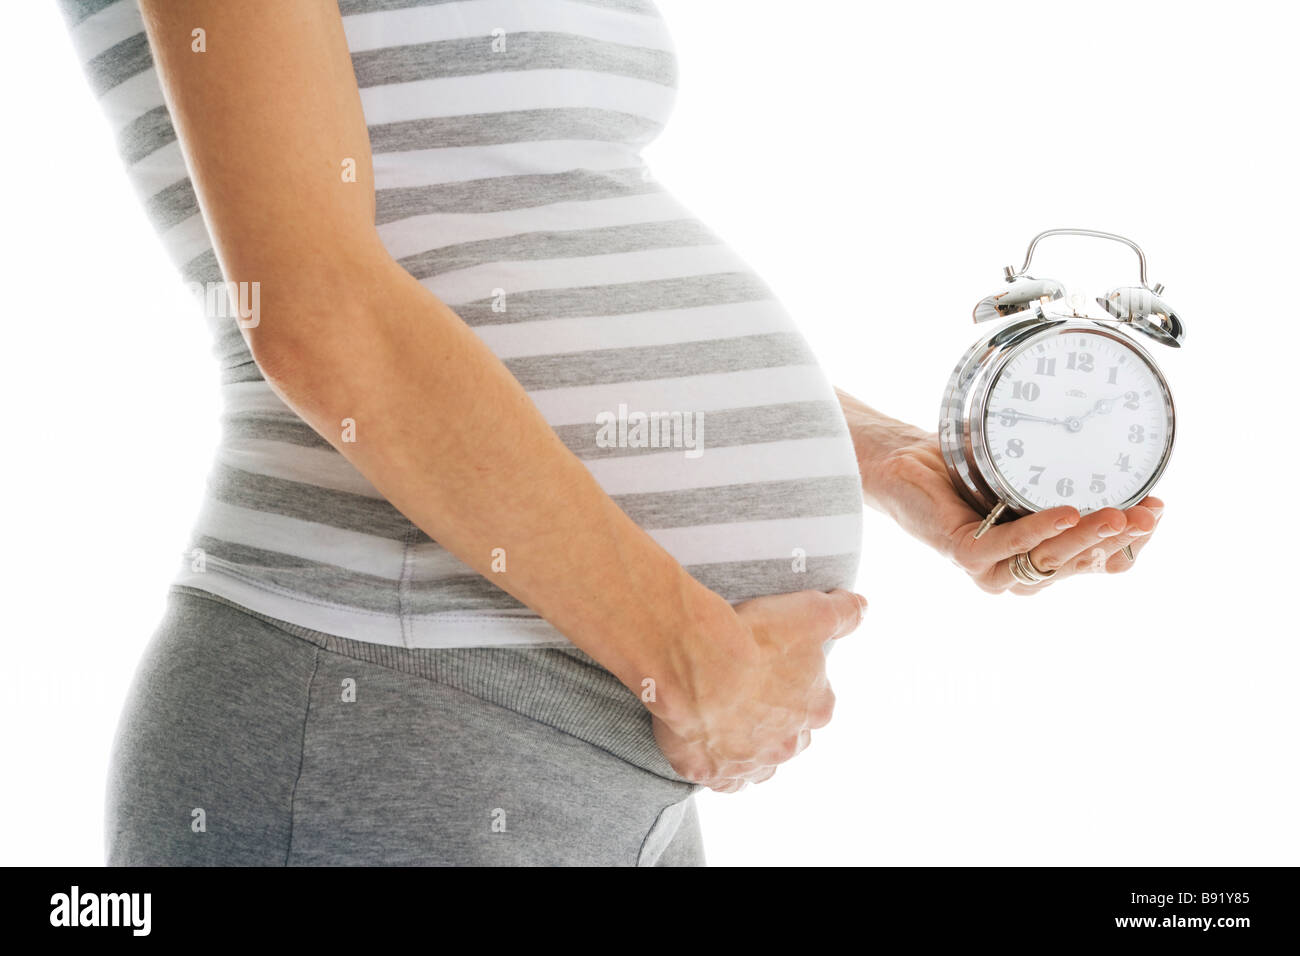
[532,513]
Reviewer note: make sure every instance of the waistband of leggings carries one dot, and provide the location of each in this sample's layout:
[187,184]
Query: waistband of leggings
[562,687]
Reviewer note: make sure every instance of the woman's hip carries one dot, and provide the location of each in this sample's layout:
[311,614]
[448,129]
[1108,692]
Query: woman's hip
[242,743]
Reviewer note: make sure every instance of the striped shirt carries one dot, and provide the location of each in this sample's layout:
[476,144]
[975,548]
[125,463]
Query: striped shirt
[507,138]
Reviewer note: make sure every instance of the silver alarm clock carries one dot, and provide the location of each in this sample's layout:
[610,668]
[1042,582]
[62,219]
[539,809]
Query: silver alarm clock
[1059,404]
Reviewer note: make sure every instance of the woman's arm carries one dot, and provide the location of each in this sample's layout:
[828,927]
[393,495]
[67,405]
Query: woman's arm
[267,117]
[904,476]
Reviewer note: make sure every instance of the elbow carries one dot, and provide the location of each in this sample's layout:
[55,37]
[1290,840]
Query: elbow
[300,349]
[305,329]
[281,363]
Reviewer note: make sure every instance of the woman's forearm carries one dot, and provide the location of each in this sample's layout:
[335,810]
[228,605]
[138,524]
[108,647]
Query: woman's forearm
[451,439]
[875,436]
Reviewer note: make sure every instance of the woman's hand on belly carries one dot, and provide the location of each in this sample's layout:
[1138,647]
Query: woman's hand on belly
[747,701]
[904,476]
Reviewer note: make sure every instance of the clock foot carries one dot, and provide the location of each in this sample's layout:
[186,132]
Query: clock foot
[992,517]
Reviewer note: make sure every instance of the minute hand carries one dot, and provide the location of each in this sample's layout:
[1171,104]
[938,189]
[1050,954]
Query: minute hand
[1016,416]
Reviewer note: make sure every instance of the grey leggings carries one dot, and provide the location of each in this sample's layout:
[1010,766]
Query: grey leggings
[246,741]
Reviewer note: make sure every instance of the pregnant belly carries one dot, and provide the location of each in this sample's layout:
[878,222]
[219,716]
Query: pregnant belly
[671,373]
[682,384]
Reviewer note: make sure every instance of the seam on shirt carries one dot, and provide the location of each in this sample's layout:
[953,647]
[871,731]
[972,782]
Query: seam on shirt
[403,583]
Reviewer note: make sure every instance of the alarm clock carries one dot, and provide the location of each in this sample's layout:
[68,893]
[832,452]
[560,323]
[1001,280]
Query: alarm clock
[1059,403]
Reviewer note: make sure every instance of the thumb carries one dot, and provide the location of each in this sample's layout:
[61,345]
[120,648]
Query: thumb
[849,609]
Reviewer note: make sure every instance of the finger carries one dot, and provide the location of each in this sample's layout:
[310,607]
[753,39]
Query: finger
[1141,520]
[1136,539]
[1060,550]
[1119,562]
[690,764]
[805,741]
[844,611]
[1026,590]
[741,769]
[727,786]
[1092,558]
[763,776]
[1000,578]
[1153,504]
[1005,540]
[1141,523]
[1100,554]
[1093,562]
[821,711]
[778,753]
[775,756]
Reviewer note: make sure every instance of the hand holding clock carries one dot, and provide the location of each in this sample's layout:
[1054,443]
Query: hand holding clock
[904,476]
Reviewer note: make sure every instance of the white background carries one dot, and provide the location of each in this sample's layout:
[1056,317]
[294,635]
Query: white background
[878,164]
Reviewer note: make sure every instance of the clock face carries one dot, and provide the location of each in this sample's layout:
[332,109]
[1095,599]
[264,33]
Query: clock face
[1077,418]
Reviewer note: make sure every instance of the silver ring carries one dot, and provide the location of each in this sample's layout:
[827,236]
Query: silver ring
[1023,570]
[1014,567]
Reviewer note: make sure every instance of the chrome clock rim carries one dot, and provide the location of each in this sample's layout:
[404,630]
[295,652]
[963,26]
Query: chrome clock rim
[963,440]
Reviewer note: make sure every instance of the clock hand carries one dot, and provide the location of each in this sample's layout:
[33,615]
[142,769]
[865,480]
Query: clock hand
[1102,406]
[1015,416]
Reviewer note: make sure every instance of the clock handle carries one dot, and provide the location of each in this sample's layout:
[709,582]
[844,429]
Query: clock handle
[1093,233]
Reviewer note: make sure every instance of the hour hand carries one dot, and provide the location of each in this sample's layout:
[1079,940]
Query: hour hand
[1010,416]
[1103,406]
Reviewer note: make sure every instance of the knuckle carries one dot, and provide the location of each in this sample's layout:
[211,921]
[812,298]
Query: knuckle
[1092,562]
[1024,539]
[695,771]
[964,557]
[820,714]
[825,618]
[1048,562]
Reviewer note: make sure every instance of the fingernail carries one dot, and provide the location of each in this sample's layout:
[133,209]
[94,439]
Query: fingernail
[1138,532]
[1106,531]
[1157,511]
[1065,524]
[862,602]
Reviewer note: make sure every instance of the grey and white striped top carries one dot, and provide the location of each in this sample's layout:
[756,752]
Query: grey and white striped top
[507,138]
